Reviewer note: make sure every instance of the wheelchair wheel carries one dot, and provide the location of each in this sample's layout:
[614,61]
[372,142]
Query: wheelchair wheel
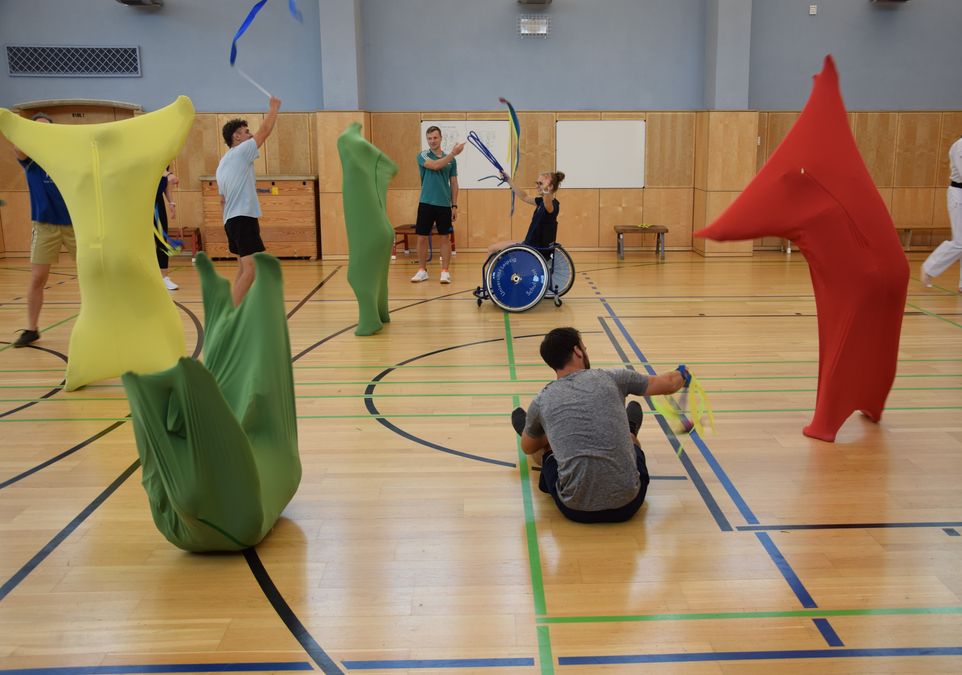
[516,278]
[562,269]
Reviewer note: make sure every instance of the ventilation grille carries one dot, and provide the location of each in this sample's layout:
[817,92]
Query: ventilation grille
[51,61]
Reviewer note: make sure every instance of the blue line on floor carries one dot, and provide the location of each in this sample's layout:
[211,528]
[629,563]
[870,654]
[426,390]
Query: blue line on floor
[890,652]
[166,668]
[796,584]
[831,637]
[437,663]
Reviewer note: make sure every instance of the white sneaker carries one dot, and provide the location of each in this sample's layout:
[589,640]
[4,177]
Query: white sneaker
[171,286]
[445,277]
[422,275]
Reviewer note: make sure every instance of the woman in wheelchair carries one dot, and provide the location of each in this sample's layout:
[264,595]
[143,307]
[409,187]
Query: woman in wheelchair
[544,221]
[517,275]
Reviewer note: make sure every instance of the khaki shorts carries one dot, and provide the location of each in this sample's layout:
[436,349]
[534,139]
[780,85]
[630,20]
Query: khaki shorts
[47,239]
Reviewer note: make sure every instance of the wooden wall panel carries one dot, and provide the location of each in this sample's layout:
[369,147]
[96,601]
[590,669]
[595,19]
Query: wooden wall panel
[579,115]
[701,150]
[950,133]
[487,115]
[489,218]
[333,230]
[886,193]
[17,230]
[940,210]
[398,135]
[671,207]
[624,115]
[254,120]
[875,136]
[290,148]
[670,150]
[327,127]
[190,209]
[402,206]
[201,152]
[912,207]
[779,124]
[618,207]
[916,150]
[715,205]
[761,153]
[732,143]
[11,173]
[427,116]
[578,220]
[537,146]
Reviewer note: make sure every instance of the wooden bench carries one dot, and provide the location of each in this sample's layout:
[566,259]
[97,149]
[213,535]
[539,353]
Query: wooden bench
[401,234]
[659,230]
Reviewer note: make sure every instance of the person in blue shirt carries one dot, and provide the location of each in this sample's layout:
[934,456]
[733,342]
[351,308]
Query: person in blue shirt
[544,221]
[52,229]
[438,205]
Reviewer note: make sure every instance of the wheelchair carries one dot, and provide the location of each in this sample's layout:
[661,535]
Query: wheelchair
[518,277]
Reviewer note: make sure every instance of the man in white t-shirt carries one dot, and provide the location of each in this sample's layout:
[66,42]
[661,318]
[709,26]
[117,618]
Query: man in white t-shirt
[238,194]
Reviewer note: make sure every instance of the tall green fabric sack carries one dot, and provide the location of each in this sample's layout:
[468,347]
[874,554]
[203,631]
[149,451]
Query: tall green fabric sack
[218,444]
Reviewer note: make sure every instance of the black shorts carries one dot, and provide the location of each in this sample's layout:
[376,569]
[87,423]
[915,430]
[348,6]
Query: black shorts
[548,483]
[244,236]
[429,214]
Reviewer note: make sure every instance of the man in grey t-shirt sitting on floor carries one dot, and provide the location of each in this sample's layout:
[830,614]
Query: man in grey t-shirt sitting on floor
[592,463]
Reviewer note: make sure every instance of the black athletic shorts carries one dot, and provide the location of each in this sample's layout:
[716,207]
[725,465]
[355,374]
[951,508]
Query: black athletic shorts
[429,214]
[244,236]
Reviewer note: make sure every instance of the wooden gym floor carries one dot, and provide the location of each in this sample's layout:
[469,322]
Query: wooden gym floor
[418,541]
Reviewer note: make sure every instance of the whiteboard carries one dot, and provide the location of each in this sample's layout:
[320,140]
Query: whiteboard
[472,165]
[601,153]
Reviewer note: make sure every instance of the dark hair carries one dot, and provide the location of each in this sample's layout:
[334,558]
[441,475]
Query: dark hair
[558,346]
[556,178]
[41,116]
[430,129]
[230,128]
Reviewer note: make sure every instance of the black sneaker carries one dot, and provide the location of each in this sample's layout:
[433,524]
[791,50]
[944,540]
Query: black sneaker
[635,417]
[27,337]
[518,419]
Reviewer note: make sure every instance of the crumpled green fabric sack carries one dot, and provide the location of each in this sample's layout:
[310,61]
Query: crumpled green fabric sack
[218,442]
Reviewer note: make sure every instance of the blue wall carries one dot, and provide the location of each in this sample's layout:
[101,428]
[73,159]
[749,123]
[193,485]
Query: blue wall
[184,50]
[601,55]
[463,54]
[901,57]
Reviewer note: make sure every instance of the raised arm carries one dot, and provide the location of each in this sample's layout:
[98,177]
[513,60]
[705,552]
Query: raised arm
[518,191]
[268,126]
[438,164]
[666,383]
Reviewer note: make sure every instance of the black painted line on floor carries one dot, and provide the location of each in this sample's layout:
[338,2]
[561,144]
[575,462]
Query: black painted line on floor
[42,554]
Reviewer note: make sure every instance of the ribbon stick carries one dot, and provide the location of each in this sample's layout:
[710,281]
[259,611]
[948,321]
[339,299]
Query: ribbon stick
[252,81]
[690,412]
[515,141]
[476,141]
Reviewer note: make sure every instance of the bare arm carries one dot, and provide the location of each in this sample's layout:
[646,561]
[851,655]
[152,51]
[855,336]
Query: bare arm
[438,164]
[531,444]
[20,155]
[518,191]
[667,383]
[454,198]
[268,126]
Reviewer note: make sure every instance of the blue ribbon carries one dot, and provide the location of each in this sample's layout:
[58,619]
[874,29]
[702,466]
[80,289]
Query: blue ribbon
[474,140]
[292,7]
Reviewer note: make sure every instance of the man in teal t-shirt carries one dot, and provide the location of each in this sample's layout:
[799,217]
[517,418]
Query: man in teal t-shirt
[439,202]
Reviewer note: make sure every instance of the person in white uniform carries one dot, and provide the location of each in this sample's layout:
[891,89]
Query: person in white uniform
[950,251]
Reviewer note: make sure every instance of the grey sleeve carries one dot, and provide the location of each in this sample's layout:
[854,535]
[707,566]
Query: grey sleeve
[534,426]
[630,381]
